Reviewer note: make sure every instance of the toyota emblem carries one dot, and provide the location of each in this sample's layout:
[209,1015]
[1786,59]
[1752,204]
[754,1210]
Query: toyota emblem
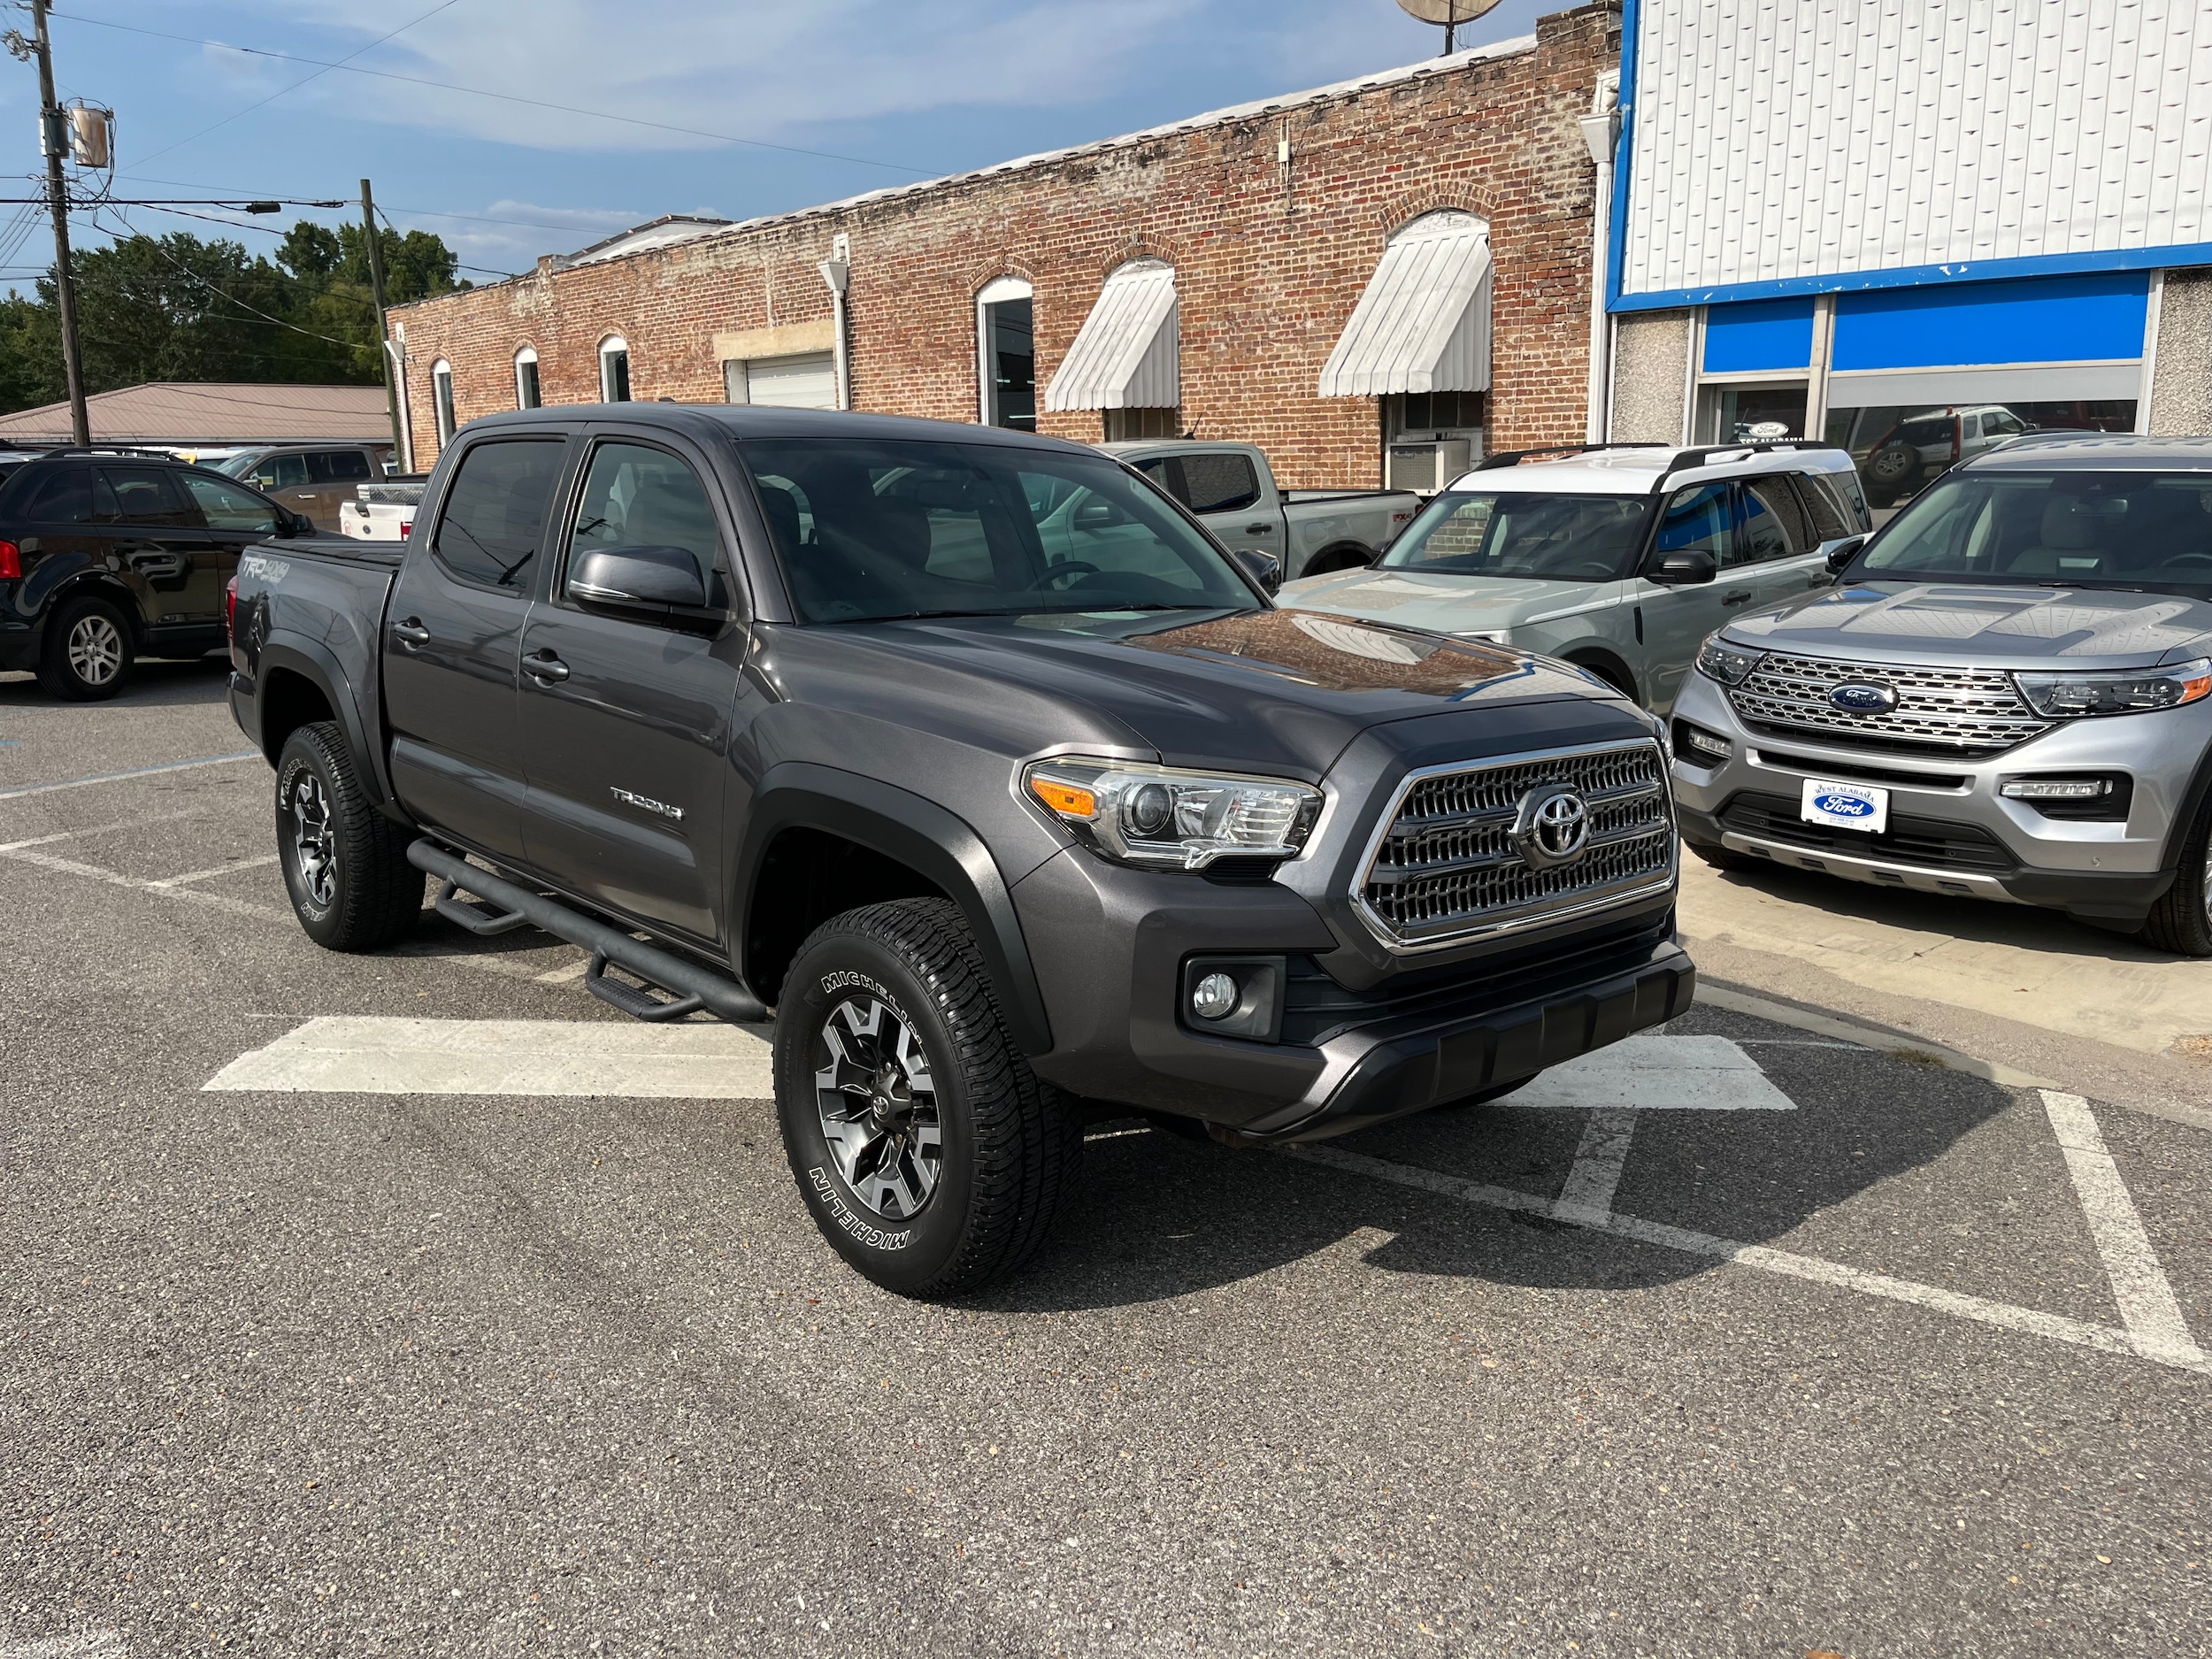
[1551,827]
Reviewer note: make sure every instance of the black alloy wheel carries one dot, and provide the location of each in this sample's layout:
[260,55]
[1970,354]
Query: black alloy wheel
[926,1149]
[345,864]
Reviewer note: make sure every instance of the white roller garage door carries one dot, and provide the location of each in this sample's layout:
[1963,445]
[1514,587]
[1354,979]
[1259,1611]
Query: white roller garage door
[800,383]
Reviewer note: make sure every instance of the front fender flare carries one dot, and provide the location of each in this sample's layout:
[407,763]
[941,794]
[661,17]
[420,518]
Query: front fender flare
[920,834]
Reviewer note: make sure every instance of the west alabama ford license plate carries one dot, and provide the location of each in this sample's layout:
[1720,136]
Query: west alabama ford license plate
[1852,806]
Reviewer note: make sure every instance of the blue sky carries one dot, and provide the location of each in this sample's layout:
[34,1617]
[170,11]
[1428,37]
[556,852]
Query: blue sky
[903,91]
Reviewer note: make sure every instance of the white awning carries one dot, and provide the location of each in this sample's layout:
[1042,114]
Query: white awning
[1124,354]
[1423,323]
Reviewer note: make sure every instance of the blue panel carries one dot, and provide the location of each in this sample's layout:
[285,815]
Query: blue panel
[2042,320]
[1759,334]
[2178,256]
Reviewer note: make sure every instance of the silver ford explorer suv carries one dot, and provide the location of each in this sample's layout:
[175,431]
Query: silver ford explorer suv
[2008,696]
[1619,558]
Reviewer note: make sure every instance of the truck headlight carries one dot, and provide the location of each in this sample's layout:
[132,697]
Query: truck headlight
[1165,818]
[2063,695]
[1731,665]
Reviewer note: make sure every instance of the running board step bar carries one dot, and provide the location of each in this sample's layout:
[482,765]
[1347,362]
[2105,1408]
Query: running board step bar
[691,986]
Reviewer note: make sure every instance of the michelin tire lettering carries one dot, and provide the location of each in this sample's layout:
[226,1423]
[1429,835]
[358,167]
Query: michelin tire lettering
[874,1237]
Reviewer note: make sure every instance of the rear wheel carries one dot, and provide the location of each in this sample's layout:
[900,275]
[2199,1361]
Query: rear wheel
[345,864]
[2181,921]
[926,1150]
[88,652]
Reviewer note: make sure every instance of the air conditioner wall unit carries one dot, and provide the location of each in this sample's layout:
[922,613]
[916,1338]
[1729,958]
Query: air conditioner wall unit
[1430,465]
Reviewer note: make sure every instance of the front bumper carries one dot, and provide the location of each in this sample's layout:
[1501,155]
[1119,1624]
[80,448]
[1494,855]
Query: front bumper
[1952,831]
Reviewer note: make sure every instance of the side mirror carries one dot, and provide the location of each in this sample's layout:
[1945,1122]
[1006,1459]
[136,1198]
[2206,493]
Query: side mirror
[1263,567]
[655,579]
[1840,551]
[1683,570]
[1097,515]
[302,525]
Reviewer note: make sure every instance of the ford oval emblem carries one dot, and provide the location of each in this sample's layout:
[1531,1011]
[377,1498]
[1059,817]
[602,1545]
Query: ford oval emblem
[1844,806]
[1860,696]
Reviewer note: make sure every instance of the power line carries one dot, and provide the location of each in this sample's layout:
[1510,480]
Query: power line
[154,244]
[296,85]
[508,97]
[420,212]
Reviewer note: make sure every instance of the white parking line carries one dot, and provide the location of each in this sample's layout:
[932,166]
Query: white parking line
[135,772]
[1657,1074]
[2053,1327]
[114,879]
[167,882]
[2148,1307]
[1596,1175]
[359,1055]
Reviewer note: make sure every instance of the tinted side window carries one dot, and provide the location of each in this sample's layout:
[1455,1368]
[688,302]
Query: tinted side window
[1220,483]
[495,510]
[227,507]
[66,497]
[636,496]
[338,466]
[148,494]
[1697,522]
[1826,507]
[1773,525]
[1166,471]
[278,471]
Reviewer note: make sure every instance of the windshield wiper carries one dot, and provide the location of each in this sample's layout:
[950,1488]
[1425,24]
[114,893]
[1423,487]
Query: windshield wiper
[2097,587]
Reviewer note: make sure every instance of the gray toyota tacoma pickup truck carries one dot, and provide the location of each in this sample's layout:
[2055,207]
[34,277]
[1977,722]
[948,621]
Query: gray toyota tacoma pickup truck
[971,756]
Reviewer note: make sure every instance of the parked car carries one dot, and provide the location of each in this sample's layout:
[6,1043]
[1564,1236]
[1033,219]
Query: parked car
[1232,489]
[313,478]
[381,512]
[1619,558]
[1924,444]
[2009,697]
[970,753]
[107,557]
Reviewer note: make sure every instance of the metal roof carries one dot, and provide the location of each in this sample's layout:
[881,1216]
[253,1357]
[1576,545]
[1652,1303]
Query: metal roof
[1422,324]
[211,412]
[1124,356]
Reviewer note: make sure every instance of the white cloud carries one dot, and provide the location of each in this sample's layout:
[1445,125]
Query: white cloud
[509,236]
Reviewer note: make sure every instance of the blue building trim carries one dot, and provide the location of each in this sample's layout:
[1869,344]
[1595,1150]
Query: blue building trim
[1755,336]
[2179,254]
[1624,155]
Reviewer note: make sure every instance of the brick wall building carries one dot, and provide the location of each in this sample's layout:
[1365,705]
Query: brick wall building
[1270,260]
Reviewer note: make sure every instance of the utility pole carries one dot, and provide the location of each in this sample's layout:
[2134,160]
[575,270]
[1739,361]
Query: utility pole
[54,139]
[376,289]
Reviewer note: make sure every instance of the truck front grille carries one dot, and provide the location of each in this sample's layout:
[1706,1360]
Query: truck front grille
[1448,865]
[1943,711]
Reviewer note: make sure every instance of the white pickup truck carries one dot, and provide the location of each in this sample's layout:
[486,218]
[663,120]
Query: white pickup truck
[1232,490]
[381,512]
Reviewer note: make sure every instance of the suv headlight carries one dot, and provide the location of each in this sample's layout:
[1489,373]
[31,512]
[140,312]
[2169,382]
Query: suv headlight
[1731,665]
[1165,818]
[2060,696]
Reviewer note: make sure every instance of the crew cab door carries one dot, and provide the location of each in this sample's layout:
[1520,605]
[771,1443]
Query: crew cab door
[626,716]
[1231,494]
[453,639]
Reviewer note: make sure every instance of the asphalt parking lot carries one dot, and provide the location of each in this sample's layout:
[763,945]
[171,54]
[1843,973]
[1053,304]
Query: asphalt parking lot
[419,1333]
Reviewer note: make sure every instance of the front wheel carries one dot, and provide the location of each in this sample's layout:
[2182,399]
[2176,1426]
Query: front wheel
[87,653]
[2181,921]
[926,1150]
[345,864]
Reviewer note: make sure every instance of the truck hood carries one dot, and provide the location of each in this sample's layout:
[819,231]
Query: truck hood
[1282,692]
[1990,625]
[1446,604]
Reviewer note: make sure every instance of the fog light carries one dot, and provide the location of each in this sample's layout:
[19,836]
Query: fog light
[2057,788]
[1214,997]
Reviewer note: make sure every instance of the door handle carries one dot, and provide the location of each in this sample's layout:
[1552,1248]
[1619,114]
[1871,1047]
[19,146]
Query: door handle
[545,665]
[1259,529]
[410,633]
[1740,597]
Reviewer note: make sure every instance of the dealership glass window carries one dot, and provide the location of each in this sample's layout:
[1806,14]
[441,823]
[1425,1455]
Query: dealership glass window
[1006,352]
[1901,447]
[526,378]
[614,370]
[1751,411]
[1128,425]
[442,395]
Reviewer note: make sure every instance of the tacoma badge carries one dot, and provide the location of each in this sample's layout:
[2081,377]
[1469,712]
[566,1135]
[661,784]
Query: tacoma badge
[646,803]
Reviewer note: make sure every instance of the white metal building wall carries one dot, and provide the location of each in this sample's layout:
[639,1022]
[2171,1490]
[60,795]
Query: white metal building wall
[1785,138]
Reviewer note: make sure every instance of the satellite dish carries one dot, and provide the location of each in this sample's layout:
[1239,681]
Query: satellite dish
[1450,13]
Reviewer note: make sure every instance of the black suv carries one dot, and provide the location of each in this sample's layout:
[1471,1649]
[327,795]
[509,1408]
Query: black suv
[107,556]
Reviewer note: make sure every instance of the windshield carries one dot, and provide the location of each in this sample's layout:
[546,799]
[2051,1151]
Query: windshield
[1520,532]
[236,465]
[2146,531]
[868,530]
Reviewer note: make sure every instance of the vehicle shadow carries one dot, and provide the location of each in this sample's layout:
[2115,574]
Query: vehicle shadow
[2023,927]
[152,684]
[1159,1217]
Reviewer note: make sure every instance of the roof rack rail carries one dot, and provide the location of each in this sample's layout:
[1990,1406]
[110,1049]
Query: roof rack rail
[1514,457]
[48,453]
[1701,456]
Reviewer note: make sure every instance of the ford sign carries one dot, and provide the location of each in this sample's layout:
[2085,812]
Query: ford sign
[1844,806]
[1864,697]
